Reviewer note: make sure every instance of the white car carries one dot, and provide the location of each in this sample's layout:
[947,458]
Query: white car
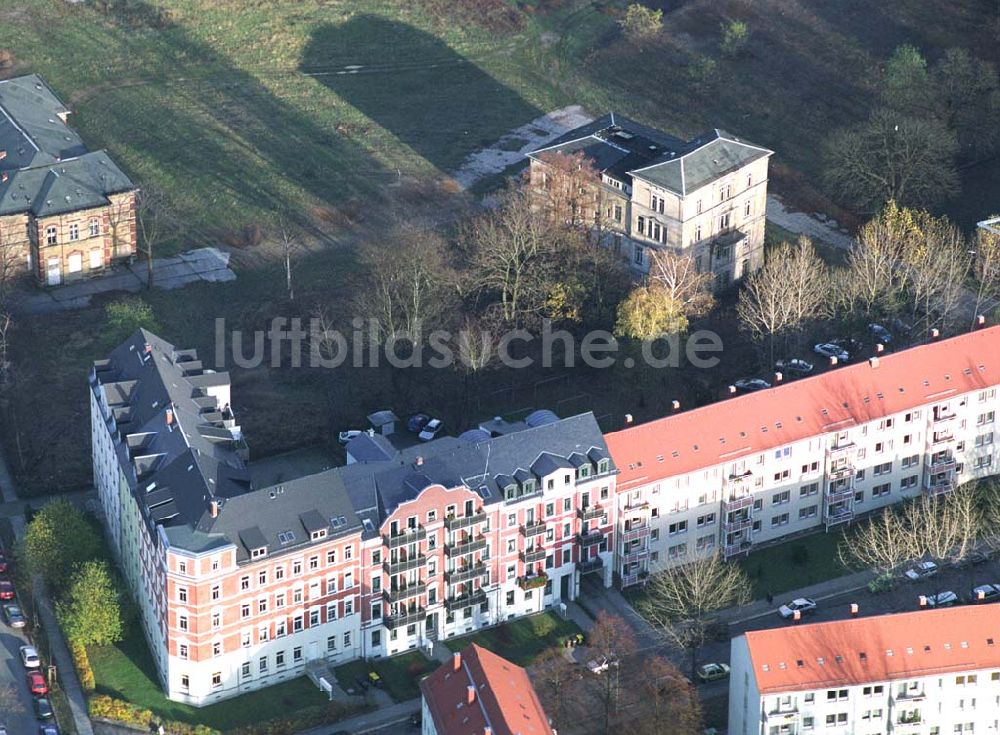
[430,430]
[345,436]
[29,657]
[712,672]
[601,664]
[801,605]
[827,349]
[922,570]
[794,365]
[751,384]
[942,599]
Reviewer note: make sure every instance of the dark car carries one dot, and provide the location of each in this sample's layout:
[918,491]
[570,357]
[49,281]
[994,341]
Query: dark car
[48,729]
[362,682]
[750,385]
[985,593]
[795,366]
[849,344]
[6,589]
[13,615]
[43,708]
[417,422]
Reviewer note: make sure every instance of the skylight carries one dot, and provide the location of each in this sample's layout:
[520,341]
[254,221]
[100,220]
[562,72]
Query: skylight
[286,537]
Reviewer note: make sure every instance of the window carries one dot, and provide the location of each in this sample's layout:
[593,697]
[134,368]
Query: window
[880,491]
[263,664]
[74,232]
[279,659]
[245,610]
[182,622]
[50,236]
[245,582]
[331,643]
[263,633]
[656,203]
[96,259]
[809,512]
[747,209]
[983,440]
[677,528]
[182,594]
[314,562]
[704,543]
[641,225]
[95,228]
[297,568]
[807,491]
[74,263]
[297,654]
[262,606]
[639,255]
[216,649]
[908,482]
[216,620]
[216,592]
[781,498]
[182,650]
[985,418]
[724,221]
[706,520]
[331,557]
[182,567]
[216,680]
[280,628]
[882,469]
[298,624]
[779,520]
[245,639]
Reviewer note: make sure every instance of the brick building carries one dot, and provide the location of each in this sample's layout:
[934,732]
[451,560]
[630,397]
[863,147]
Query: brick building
[65,212]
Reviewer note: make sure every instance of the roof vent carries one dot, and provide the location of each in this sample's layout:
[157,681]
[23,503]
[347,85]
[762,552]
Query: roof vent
[873,361]
[419,462]
[213,509]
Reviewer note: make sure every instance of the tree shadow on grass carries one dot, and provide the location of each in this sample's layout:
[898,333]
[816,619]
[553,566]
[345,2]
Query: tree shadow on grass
[414,85]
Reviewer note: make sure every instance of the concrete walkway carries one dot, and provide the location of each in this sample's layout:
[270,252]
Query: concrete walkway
[817,592]
[369,721]
[204,264]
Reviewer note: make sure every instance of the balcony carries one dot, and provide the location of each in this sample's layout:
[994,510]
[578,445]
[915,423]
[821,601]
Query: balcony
[590,538]
[634,578]
[468,600]
[638,506]
[409,536]
[466,546]
[399,594]
[457,524]
[740,483]
[840,495]
[912,695]
[591,513]
[738,524]
[533,556]
[630,556]
[834,516]
[840,450]
[787,712]
[590,565]
[735,549]
[532,581]
[841,472]
[908,723]
[636,533]
[533,529]
[467,574]
[940,438]
[942,417]
[736,503]
[405,565]
[942,464]
[935,487]
[407,617]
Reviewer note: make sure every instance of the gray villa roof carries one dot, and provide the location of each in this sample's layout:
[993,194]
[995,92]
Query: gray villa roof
[45,168]
[624,149]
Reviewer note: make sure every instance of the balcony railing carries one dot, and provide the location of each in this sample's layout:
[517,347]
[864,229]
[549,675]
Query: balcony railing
[731,550]
[590,513]
[938,487]
[636,506]
[839,495]
[940,437]
[634,555]
[587,566]
[943,417]
[456,524]
[739,482]
[409,536]
[942,464]
[533,529]
[841,472]
[468,600]
[533,556]
[840,450]
[590,538]
[740,523]
[466,574]
[636,533]
[783,713]
[634,578]
[836,515]
[405,565]
[409,617]
[399,594]
[913,695]
[467,546]
[738,503]
[532,581]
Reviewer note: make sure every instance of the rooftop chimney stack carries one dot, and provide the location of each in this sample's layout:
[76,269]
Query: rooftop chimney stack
[980,321]
[456,661]
[4,177]
[420,461]
[489,730]
[778,377]
[879,348]
[935,333]
[628,419]
[170,417]
[676,405]
[732,390]
[470,694]
[213,509]
[833,360]
[873,361]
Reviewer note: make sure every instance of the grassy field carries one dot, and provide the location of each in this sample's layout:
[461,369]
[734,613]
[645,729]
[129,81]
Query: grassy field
[520,640]
[126,671]
[401,674]
[794,564]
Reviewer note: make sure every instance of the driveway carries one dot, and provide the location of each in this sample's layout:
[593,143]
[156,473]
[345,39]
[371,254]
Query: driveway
[203,264]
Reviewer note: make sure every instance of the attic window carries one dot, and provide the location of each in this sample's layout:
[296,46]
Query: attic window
[863,656]
[743,434]
[765,667]
[286,537]
[659,457]
[821,661]
[839,659]
[888,652]
[927,649]
[824,412]
[696,447]
[782,666]
[844,404]
[484,492]
[763,429]
[965,644]
[927,383]
[989,641]
[317,535]
[880,395]
[722,440]
[675,454]
[798,418]
[947,377]
[902,389]
[967,371]
[800,663]
[909,649]
[866,400]
[947,646]
[777,424]
[257,553]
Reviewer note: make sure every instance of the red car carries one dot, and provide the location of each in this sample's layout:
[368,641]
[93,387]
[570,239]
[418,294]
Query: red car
[6,590]
[36,684]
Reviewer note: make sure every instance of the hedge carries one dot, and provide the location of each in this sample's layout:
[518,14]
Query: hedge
[81,662]
[109,708]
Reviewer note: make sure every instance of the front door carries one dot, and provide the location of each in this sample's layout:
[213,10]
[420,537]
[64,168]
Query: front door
[313,647]
[53,272]
[564,587]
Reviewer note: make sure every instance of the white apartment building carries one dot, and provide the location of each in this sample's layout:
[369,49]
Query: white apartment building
[930,672]
[806,455]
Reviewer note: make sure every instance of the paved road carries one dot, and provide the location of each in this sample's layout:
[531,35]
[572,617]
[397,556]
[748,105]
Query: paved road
[12,675]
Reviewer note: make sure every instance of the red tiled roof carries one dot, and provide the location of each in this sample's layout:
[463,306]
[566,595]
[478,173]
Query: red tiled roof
[873,649]
[797,410]
[505,700]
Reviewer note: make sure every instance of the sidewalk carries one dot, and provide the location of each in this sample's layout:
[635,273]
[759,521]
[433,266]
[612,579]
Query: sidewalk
[821,591]
[369,721]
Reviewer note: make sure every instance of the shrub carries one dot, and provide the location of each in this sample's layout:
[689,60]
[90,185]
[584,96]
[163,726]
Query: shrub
[642,23]
[6,58]
[126,315]
[109,708]
[735,35]
[81,662]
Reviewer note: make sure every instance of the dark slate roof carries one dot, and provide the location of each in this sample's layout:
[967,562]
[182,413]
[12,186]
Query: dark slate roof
[622,148]
[48,169]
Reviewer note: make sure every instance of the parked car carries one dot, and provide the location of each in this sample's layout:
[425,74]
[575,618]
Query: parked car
[802,605]
[973,559]
[851,345]
[43,708]
[4,564]
[48,729]
[800,367]
[880,333]
[29,657]
[417,422]
[601,664]
[430,430]
[712,672]
[985,593]
[6,589]
[942,599]
[750,385]
[345,436]
[922,570]
[37,684]
[13,615]
[828,349]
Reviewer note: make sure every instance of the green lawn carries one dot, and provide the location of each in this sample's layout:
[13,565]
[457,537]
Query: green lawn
[794,564]
[401,674]
[126,671]
[520,640]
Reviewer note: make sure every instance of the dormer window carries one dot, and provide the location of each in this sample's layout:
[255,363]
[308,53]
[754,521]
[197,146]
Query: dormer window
[603,466]
[583,471]
[258,552]
[529,487]
[317,535]
[510,492]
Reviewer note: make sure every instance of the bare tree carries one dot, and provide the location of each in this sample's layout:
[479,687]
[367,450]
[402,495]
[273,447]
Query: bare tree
[936,264]
[610,638]
[677,275]
[152,216]
[682,600]
[945,528]
[12,259]
[289,240]
[6,323]
[986,270]
[876,282]
[555,677]
[883,543]
[666,702]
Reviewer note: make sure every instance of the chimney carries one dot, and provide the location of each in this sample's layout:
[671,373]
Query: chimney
[778,377]
[833,360]
[170,417]
[873,361]
[488,730]
[676,405]
[628,419]
[935,333]
[980,321]
[3,155]
[147,348]
[732,390]
[456,661]
[879,348]
[470,694]
[419,461]
[213,509]
[4,177]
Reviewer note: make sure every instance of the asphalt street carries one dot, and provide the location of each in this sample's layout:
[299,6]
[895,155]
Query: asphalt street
[12,674]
